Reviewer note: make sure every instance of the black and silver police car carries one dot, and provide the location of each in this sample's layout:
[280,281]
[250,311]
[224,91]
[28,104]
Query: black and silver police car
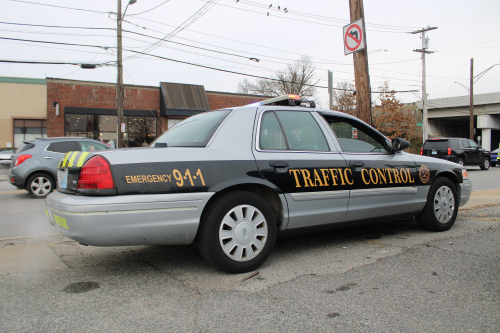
[231,180]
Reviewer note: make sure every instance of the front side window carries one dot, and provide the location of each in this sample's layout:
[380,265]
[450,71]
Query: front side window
[465,144]
[194,131]
[91,146]
[473,144]
[292,130]
[355,136]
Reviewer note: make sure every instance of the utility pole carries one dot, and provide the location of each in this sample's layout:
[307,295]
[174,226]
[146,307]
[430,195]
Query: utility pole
[423,50]
[119,80]
[119,65]
[471,120]
[361,73]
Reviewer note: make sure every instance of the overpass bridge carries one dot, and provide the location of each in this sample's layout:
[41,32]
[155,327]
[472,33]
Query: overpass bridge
[449,117]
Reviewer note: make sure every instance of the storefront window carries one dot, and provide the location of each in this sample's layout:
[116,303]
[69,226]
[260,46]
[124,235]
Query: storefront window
[140,131]
[29,129]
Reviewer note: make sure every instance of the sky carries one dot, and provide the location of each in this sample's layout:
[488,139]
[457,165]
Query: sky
[226,34]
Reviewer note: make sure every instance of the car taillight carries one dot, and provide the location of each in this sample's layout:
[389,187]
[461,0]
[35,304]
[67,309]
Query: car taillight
[95,174]
[21,159]
[421,151]
[449,151]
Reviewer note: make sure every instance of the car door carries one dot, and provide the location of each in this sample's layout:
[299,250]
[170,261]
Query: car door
[383,183]
[469,157]
[293,153]
[475,152]
[54,151]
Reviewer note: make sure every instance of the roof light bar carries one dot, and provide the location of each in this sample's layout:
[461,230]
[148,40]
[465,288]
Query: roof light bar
[287,100]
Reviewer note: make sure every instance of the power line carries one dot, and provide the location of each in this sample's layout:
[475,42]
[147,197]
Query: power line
[44,4]
[238,73]
[59,43]
[50,63]
[56,26]
[193,18]
[149,11]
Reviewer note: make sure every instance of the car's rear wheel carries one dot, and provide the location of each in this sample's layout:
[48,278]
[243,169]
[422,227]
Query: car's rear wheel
[461,162]
[485,165]
[237,232]
[40,185]
[440,211]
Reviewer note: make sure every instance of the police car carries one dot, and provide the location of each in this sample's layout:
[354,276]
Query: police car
[232,180]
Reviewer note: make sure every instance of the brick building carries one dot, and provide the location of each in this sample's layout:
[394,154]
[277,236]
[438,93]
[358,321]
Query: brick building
[84,108]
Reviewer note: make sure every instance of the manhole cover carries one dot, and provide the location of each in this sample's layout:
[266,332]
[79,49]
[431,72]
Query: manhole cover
[81,287]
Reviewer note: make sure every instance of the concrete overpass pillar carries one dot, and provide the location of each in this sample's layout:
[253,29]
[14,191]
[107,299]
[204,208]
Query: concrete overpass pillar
[486,138]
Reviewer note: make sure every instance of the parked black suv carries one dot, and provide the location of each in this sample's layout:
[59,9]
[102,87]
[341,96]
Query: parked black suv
[458,150]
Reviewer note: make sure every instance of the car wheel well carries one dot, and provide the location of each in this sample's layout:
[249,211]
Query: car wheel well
[41,172]
[451,177]
[263,191]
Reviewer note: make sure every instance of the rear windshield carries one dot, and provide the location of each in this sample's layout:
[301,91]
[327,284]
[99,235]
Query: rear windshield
[25,146]
[435,144]
[194,131]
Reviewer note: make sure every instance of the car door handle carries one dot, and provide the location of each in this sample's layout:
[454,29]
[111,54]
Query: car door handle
[49,157]
[279,164]
[357,164]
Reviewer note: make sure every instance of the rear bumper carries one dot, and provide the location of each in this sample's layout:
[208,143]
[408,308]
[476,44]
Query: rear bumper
[465,191]
[147,219]
[16,180]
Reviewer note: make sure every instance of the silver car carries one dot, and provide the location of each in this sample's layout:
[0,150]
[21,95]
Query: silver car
[232,180]
[34,165]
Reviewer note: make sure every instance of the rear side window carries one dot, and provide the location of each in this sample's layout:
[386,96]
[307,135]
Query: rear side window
[465,143]
[25,146]
[63,146]
[91,146]
[454,143]
[194,131]
[436,144]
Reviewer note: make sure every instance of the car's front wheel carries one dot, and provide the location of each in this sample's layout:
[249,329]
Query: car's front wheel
[237,232]
[40,185]
[485,165]
[441,209]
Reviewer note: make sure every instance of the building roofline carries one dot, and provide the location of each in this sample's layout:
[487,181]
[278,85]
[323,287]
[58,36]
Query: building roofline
[22,80]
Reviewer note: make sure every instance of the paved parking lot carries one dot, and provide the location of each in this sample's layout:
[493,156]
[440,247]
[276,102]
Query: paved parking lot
[380,278]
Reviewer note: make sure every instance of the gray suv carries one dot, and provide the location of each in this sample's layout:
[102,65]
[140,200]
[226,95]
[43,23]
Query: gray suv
[34,164]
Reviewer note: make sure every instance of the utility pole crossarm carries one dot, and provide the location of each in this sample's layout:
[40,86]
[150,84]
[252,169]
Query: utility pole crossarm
[422,30]
[423,50]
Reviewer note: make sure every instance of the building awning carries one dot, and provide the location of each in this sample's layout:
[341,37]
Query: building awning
[182,100]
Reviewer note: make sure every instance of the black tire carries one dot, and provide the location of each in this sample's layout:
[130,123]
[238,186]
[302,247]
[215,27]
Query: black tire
[485,164]
[461,162]
[493,164]
[430,217]
[40,185]
[215,230]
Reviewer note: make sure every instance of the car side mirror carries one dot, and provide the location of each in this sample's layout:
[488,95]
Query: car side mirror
[399,144]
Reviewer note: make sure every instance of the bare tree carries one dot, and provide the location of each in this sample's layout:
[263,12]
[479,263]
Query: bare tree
[344,98]
[297,78]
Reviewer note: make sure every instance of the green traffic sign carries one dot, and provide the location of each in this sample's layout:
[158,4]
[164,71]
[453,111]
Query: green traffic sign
[419,124]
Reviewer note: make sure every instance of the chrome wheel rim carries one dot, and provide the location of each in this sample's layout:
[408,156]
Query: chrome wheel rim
[41,186]
[444,204]
[243,233]
[486,164]
[461,163]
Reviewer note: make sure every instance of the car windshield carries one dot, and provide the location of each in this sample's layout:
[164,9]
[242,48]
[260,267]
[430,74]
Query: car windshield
[194,131]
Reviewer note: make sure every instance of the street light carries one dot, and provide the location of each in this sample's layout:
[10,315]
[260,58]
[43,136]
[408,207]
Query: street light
[463,85]
[119,83]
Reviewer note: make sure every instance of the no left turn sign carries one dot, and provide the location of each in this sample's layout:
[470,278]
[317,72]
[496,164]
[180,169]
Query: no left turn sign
[354,38]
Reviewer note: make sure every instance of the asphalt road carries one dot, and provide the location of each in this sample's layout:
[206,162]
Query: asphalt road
[388,277]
